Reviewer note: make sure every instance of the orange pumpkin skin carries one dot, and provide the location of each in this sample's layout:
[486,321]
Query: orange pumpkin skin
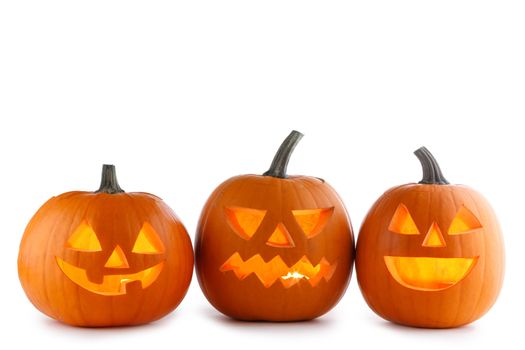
[260,293]
[116,219]
[443,299]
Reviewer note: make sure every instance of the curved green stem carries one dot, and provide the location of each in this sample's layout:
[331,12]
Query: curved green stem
[432,174]
[280,161]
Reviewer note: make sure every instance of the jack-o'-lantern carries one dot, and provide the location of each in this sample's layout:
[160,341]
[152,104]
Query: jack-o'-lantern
[430,254]
[274,247]
[105,258]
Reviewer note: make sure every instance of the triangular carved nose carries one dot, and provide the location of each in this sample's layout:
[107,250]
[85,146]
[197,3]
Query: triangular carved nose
[280,238]
[117,259]
[434,237]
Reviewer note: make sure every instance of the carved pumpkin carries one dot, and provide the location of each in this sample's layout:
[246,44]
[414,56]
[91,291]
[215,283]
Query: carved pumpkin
[430,254]
[274,247]
[105,258]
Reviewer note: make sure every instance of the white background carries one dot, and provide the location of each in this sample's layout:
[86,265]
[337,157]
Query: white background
[181,95]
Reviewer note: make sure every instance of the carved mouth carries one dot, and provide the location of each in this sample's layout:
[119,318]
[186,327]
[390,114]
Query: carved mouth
[111,284]
[276,269]
[429,274]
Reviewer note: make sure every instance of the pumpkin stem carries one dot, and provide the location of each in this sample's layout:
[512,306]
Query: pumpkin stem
[280,161]
[109,183]
[432,174]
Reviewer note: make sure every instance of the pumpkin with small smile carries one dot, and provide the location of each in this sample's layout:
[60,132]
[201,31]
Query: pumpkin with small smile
[430,254]
[105,258]
[274,247]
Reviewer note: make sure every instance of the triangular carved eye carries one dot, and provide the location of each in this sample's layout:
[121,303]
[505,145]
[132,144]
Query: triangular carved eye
[84,239]
[402,222]
[312,221]
[464,222]
[148,241]
[244,221]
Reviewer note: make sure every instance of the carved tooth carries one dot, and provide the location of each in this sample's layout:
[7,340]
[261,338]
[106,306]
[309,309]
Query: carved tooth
[131,286]
[95,275]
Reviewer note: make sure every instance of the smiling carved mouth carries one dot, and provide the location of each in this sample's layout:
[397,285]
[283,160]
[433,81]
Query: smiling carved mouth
[276,269]
[429,274]
[111,284]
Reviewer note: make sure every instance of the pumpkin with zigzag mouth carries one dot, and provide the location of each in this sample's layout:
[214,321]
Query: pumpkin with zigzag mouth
[274,247]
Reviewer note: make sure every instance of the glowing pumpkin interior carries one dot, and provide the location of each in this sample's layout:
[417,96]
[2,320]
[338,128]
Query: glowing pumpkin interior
[431,273]
[84,239]
[245,222]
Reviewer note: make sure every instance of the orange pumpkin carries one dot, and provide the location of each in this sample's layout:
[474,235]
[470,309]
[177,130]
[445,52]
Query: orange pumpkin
[105,258]
[274,247]
[430,254]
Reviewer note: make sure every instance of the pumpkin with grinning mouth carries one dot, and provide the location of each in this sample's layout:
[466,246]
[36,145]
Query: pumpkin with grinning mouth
[105,258]
[430,254]
[274,247]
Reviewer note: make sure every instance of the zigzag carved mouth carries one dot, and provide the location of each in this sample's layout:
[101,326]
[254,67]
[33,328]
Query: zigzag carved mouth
[276,269]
